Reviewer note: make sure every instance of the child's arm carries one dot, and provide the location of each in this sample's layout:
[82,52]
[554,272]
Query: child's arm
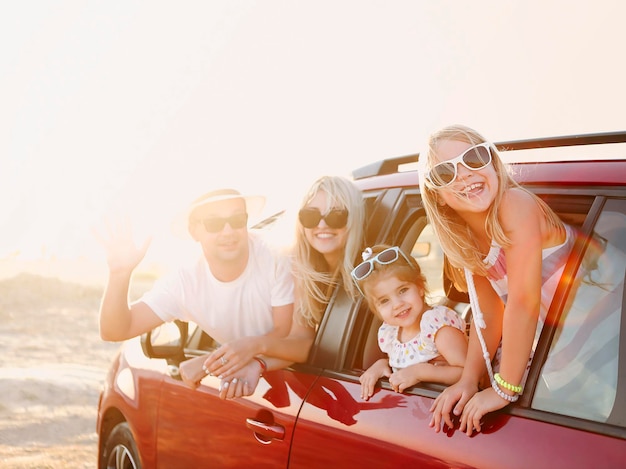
[453,399]
[452,344]
[524,283]
[370,377]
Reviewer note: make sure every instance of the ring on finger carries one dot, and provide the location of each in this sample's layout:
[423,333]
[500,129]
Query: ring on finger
[223,360]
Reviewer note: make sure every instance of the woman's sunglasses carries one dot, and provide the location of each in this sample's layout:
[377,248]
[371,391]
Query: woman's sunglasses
[310,217]
[388,256]
[475,158]
[217,224]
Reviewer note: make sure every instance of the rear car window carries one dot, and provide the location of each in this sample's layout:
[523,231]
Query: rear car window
[580,375]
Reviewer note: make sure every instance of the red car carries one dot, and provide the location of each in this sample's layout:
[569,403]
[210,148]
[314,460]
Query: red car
[572,413]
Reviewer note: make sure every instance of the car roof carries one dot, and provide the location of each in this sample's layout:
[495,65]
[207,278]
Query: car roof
[580,172]
[589,159]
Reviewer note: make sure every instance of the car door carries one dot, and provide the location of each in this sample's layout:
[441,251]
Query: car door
[572,414]
[198,429]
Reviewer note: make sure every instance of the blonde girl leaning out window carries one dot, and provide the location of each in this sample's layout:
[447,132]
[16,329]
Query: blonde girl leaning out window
[508,249]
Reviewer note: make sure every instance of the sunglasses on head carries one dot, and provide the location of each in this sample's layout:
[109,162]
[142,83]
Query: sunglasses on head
[474,158]
[388,256]
[217,224]
[335,218]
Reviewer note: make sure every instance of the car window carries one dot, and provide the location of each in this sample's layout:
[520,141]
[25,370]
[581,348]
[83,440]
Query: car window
[580,375]
[167,333]
[198,340]
[429,255]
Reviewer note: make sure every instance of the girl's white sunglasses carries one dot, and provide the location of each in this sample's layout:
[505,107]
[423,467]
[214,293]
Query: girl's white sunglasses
[365,268]
[474,158]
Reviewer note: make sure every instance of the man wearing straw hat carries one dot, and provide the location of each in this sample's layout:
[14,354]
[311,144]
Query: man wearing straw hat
[238,287]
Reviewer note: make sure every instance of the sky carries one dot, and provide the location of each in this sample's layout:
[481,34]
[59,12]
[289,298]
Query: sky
[132,109]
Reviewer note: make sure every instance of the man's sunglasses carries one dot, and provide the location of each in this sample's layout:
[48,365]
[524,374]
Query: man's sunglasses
[475,158]
[217,224]
[388,256]
[336,218]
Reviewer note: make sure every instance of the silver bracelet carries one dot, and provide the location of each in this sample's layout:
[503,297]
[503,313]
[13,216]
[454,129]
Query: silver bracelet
[502,394]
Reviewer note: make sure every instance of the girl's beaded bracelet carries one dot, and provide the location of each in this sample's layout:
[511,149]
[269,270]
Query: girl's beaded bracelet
[504,384]
[502,394]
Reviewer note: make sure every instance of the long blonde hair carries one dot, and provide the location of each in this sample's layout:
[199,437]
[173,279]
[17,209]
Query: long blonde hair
[314,280]
[455,236]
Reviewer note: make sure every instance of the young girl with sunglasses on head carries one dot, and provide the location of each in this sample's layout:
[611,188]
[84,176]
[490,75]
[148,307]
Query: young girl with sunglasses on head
[415,336]
[328,239]
[507,248]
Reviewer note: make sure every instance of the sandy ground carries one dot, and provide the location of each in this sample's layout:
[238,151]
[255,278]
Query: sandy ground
[53,366]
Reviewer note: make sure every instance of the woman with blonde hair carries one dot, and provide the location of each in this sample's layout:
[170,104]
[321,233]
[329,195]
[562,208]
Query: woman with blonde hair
[507,248]
[324,254]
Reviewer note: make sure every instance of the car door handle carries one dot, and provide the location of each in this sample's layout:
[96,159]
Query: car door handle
[265,432]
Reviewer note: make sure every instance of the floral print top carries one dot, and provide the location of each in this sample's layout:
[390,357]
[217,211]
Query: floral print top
[421,348]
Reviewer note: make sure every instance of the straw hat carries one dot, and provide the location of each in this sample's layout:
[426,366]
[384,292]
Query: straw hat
[254,205]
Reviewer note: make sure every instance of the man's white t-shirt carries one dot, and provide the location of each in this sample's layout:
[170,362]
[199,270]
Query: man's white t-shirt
[226,310]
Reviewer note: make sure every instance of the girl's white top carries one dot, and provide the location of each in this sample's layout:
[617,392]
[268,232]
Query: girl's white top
[421,348]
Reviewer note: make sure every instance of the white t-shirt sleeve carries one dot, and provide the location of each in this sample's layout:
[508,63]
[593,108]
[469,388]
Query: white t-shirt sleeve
[164,298]
[387,337]
[266,255]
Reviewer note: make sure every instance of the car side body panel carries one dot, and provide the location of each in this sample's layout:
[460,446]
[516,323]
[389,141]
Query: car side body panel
[392,429]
